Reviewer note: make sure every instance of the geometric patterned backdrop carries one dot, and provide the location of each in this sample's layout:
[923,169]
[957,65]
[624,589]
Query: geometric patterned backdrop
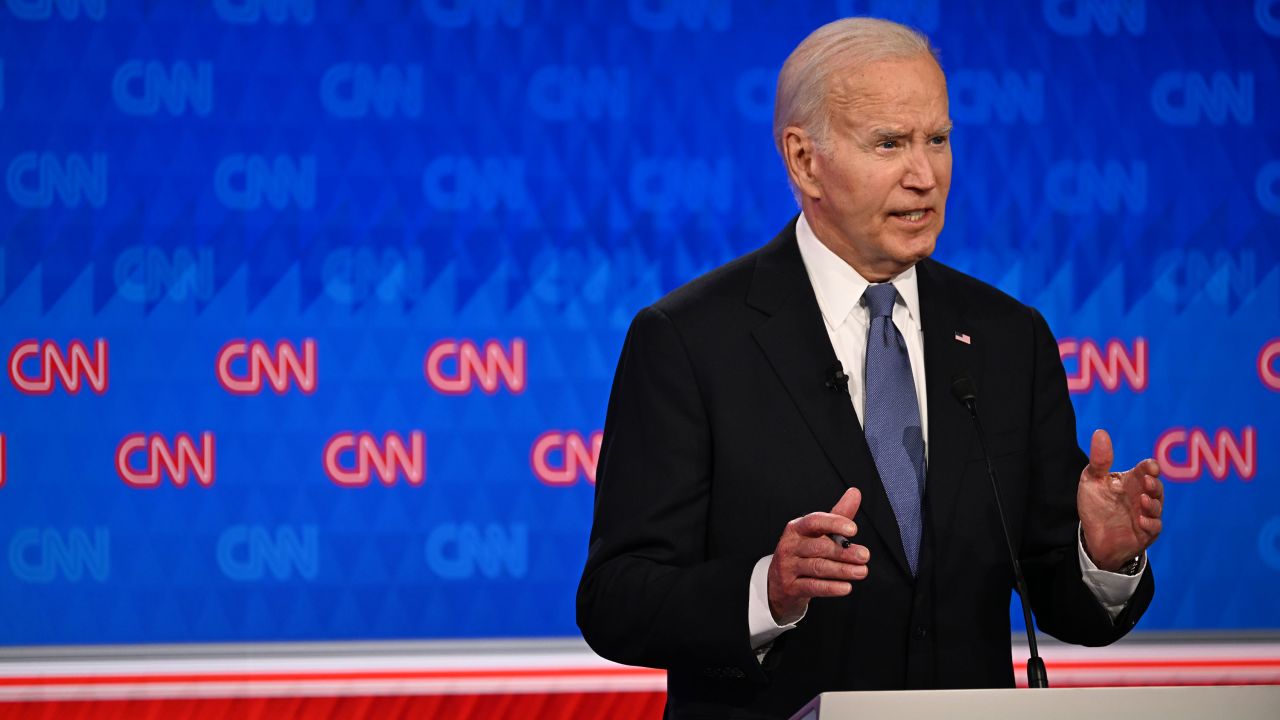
[310,310]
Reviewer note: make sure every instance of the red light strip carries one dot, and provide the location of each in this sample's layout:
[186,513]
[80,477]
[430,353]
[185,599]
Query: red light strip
[256,677]
[1157,664]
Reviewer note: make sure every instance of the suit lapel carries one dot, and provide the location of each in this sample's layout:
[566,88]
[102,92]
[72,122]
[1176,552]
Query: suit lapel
[795,342]
[950,429]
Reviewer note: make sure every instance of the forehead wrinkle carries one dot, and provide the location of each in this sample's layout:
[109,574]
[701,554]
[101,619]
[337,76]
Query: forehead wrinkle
[869,97]
[852,109]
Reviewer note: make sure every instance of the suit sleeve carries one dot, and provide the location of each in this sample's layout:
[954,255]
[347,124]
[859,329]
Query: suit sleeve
[1064,606]
[649,594]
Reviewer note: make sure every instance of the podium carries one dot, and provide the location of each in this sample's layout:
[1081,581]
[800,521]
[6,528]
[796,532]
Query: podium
[1244,702]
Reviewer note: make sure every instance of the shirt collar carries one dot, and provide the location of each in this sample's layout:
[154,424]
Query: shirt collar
[839,287]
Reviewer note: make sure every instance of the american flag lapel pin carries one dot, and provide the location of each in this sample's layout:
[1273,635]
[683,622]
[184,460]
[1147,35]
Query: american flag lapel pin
[963,337]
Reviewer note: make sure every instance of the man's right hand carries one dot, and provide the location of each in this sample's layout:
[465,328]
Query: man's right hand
[808,564]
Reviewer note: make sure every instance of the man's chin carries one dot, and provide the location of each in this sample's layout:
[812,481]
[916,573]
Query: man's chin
[915,249]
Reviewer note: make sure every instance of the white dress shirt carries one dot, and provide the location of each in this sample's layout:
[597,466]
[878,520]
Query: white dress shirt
[839,289]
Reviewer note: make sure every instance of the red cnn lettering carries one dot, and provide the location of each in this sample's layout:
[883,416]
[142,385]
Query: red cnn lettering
[490,366]
[559,458]
[1221,456]
[72,368]
[370,458]
[278,368]
[159,457]
[1110,367]
[1267,364]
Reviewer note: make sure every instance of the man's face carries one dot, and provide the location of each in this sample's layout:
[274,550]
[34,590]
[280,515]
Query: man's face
[880,190]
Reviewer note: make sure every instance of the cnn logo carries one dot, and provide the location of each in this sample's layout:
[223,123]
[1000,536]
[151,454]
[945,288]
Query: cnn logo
[1267,370]
[352,459]
[560,458]
[36,366]
[1221,455]
[456,367]
[247,367]
[1110,365]
[142,460]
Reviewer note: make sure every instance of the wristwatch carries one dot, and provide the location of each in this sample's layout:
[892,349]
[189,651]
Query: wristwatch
[1131,568]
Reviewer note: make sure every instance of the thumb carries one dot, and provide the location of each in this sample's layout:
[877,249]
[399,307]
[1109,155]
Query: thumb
[849,502]
[1100,455]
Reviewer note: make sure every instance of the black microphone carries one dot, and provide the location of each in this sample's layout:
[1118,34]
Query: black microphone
[836,379]
[964,391]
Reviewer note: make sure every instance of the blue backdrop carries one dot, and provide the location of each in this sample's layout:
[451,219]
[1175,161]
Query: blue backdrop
[310,309]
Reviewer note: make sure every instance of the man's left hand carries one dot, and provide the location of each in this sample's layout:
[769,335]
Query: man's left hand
[1119,512]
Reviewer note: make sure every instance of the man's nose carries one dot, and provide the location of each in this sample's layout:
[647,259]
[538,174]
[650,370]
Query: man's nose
[918,174]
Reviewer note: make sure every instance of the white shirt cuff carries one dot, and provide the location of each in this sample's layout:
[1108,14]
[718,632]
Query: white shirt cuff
[760,621]
[1112,590]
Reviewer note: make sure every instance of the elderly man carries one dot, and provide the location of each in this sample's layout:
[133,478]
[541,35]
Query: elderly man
[816,373]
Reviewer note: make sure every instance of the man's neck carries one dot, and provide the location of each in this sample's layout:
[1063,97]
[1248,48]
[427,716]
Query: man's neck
[830,236]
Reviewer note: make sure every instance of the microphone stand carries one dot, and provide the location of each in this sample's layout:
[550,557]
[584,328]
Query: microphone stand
[964,391]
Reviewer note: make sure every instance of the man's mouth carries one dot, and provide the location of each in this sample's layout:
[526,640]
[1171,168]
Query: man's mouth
[912,215]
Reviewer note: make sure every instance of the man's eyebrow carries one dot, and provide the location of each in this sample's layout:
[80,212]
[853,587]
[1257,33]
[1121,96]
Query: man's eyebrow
[885,133]
[888,133]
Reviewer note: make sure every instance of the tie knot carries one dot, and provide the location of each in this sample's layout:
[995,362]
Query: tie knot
[880,298]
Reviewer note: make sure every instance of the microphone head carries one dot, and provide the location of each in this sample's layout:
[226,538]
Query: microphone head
[836,379]
[962,389]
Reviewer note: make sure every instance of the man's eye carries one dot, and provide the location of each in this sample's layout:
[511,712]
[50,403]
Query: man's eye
[938,139]
[888,144]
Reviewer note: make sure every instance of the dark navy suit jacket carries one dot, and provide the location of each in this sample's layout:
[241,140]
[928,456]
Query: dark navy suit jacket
[721,428]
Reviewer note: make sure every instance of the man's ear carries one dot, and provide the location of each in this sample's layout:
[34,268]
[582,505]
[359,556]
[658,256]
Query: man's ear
[800,153]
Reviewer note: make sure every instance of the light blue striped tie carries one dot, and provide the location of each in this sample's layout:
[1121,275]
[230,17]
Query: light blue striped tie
[892,418]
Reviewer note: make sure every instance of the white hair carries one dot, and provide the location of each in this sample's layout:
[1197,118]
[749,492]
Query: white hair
[841,45]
